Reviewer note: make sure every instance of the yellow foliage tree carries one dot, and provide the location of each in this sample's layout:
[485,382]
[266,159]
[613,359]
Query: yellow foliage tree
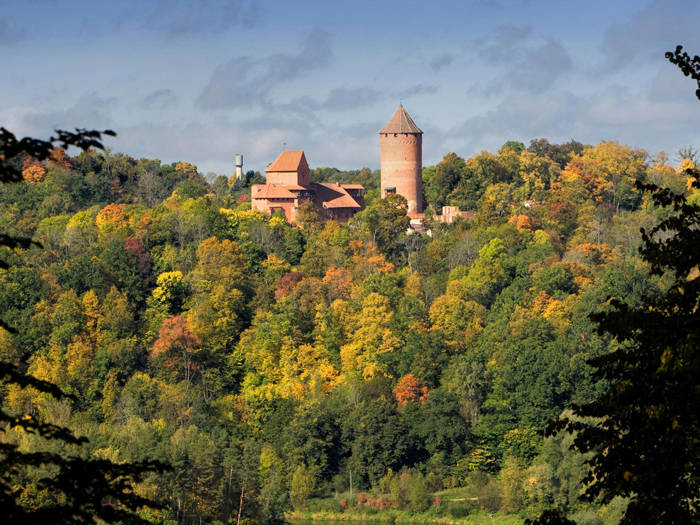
[607,172]
[219,262]
[372,337]
[167,285]
[281,366]
[460,320]
[538,174]
[217,318]
[413,286]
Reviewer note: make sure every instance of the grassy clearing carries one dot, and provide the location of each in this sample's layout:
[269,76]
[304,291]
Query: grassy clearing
[403,517]
[433,516]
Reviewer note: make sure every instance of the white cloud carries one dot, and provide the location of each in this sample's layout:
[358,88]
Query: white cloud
[158,99]
[90,111]
[244,81]
[441,61]
[651,31]
[176,18]
[524,62]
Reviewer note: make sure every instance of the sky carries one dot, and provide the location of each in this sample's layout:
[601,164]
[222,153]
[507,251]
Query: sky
[201,81]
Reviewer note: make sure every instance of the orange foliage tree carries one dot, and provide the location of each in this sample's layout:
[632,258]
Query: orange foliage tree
[59,156]
[338,283]
[177,345]
[33,174]
[522,222]
[111,216]
[408,389]
[286,284]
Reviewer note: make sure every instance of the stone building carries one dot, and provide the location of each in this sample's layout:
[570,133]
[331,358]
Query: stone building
[288,185]
[401,160]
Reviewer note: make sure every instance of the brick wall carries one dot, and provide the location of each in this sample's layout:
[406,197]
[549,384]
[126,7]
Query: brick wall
[401,167]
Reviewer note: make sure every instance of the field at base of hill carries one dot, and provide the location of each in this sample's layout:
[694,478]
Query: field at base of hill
[475,503]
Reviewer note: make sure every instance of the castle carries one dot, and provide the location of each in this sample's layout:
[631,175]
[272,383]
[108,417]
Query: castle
[288,186]
[401,165]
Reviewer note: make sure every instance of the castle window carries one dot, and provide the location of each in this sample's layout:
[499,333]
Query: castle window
[390,190]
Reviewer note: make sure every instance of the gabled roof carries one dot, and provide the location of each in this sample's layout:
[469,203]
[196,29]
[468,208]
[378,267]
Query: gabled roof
[401,122]
[290,160]
[272,191]
[331,195]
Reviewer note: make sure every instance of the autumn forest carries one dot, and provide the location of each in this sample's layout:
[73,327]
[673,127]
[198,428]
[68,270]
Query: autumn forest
[286,370]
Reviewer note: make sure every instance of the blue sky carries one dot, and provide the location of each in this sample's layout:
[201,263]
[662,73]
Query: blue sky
[201,81]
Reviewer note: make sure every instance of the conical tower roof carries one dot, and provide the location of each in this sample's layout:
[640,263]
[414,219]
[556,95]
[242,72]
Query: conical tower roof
[401,122]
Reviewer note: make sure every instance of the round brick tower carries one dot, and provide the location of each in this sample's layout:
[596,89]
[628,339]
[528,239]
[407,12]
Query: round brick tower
[401,164]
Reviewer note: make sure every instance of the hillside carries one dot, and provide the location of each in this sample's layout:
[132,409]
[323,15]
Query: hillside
[270,364]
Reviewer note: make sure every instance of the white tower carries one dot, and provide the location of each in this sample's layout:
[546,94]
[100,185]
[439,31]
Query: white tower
[239,166]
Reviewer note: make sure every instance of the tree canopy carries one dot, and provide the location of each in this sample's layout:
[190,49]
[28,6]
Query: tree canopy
[76,489]
[641,433]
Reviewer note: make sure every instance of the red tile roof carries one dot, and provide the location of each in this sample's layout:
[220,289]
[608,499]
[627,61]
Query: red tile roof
[332,195]
[291,160]
[401,122]
[353,186]
[272,191]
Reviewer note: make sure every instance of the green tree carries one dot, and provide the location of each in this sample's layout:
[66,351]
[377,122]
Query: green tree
[80,490]
[379,441]
[386,222]
[487,276]
[301,485]
[440,182]
[560,153]
[645,441]
[647,445]
[418,493]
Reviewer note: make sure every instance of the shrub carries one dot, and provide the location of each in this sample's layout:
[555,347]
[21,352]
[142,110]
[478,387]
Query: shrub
[361,498]
[460,510]
[490,496]
[433,482]
[419,495]
[385,482]
[301,486]
[586,517]
[400,488]
[324,504]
